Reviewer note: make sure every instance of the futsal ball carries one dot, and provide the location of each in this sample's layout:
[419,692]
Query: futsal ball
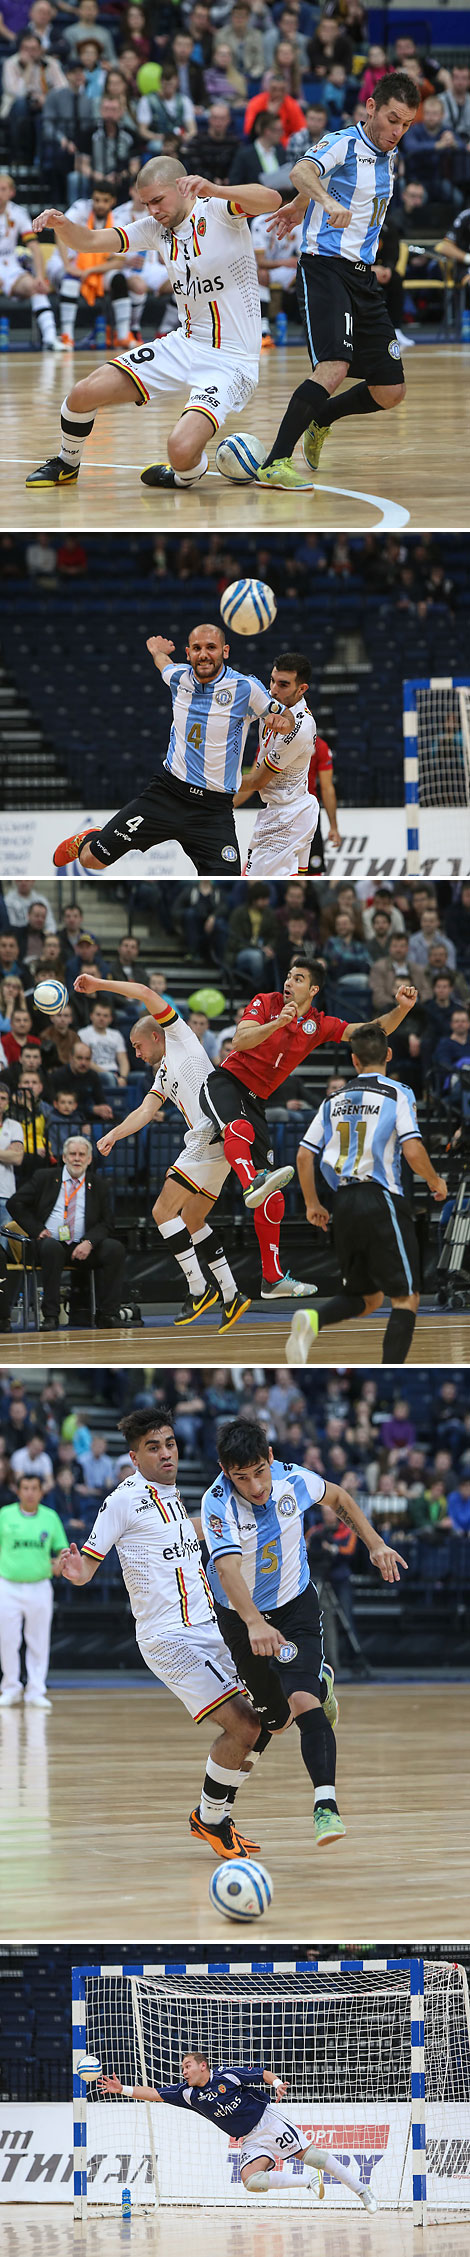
[248,606]
[148,78]
[88,2066]
[50,996]
[240,1889]
[240,457]
[208,999]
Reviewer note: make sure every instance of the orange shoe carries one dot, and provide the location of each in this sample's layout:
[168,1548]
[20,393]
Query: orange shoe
[223,1839]
[68,849]
[136,337]
[267,344]
[67,340]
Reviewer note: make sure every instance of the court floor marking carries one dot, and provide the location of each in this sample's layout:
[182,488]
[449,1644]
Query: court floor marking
[393,518]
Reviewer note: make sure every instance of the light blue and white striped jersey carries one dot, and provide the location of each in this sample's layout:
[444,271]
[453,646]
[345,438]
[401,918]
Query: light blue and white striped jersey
[359,1133]
[210,725]
[269,1538]
[361,178]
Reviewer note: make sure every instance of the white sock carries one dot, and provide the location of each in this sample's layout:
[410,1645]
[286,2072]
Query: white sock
[318,2158]
[69,298]
[325,1794]
[190,477]
[218,1263]
[186,1257]
[214,1806]
[121,318]
[137,312]
[74,429]
[44,317]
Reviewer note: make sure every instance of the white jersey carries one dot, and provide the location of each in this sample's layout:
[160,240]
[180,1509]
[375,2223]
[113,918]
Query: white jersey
[183,1069]
[150,265]
[158,1552]
[358,176]
[212,266]
[15,228]
[288,760]
[210,725]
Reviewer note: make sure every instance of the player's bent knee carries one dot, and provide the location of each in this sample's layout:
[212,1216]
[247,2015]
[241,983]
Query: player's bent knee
[181,449]
[256,2182]
[246,1717]
[300,1703]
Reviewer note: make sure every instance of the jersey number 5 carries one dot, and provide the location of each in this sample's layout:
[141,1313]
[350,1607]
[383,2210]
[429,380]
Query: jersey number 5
[269,1559]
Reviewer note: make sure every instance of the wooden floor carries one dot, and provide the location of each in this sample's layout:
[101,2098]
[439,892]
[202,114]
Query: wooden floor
[409,467]
[40,2230]
[95,1798]
[440,1338]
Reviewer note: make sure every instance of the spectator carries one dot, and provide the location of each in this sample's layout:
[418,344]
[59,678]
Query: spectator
[33,1113]
[32,1459]
[429,150]
[98,1467]
[458,1507]
[67,126]
[388,970]
[430,931]
[87,21]
[9,956]
[252,937]
[453,1050]
[316,120]
[86,957]
[249,36]
[20,1032]
[69,1501]
[213,147]
[115,140]
[165,110]
[28,77]
[81,1078]
[107,1045]
[22,896]
[275,95]
[73,1198]
[11,1156]
[456,99]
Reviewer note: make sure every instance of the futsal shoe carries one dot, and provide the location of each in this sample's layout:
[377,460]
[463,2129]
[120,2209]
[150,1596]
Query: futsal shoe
[304,1330]
[233,1310]
[67,341]
[331,1705]
[327,1824]
[266,1181]
[68,849]
[369,2200]
[285,1288]
[37,1700]
[312,443]
[11,1700]
[223,1839]
[53,473]
[283,473]
[161,474]
[192,1308]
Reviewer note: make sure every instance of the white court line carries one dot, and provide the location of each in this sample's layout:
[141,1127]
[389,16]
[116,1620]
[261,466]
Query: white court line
[393,518]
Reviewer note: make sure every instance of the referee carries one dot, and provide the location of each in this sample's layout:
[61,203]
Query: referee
[360,1138]
[32,1541]
[344,186]
[191,799]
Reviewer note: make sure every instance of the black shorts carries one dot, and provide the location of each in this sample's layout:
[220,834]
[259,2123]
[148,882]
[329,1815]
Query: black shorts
[301,1625]
[345,318]
[375,1241]
[226,1099]
[201,821]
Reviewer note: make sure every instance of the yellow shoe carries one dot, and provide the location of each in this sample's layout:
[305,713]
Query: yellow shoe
[312,443]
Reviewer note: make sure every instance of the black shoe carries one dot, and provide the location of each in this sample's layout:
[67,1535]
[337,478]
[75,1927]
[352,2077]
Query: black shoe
[50,1324]
[192,1308]
[158,474]
[236,1309]
[53,473]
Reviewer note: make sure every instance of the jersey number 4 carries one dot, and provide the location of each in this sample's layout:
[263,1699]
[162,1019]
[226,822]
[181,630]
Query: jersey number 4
[195,736]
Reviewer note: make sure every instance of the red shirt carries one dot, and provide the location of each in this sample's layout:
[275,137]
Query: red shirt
[292,116]
[263,1070]
[322,759]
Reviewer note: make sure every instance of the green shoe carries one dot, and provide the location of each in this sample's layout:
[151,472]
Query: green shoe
[283,473]
[304,1330]
[327,1824]
[331,1705]
[312,443]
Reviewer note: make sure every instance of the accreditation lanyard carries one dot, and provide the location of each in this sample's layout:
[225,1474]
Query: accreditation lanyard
[70,1200]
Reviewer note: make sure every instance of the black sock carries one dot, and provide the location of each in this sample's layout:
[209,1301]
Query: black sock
[318,1747]
[263,1741]
[341,1307]
[357,402]
[309,404]
[398,1336]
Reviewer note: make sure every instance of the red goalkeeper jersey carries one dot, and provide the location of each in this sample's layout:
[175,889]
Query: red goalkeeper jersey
[263,1070]
[321,762]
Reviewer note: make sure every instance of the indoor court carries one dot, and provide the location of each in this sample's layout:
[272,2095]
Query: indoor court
[406,473]
[441,1336]
[40,2231]
[96,1797]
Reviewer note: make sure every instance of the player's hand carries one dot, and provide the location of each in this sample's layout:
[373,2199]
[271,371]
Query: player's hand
[388,1562]
[334,838]
[58,1563]
[81,1252]
[406,996]
[281,724]
[318,1216]
[159,647]
[88,983]
[47,219]
[193,185]
[439,1189]
[108,2084]
[71,1564]
[286,1016]
[282,222]
[337,214]
[264,1639]
[104,1144]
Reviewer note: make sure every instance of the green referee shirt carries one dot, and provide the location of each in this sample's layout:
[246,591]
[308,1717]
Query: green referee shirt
[28,1542]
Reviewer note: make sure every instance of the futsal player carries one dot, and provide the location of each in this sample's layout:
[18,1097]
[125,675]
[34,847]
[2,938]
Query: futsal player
[16,281]
[275,1034]
[176,1628]
[259,1574]
[344,185]
[201,233]
[361,1137]
[234,2098]
[284,828]
[191,798]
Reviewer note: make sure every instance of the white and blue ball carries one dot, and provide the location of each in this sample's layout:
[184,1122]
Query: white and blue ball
[51,996]
[240,457]
[241,1890]
[88,2066]
[248,606]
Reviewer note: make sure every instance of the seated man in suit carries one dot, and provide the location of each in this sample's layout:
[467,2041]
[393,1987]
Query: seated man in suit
[65,1210]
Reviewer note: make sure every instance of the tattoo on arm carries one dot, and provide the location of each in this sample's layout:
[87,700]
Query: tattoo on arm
[343,1514]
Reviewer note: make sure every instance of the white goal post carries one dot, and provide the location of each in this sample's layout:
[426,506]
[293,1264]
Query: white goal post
[436,740]
[376,2058]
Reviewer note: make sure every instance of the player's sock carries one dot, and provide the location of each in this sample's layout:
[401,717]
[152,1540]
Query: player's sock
[216,1262]
[214,1797]
[398,1336]
[267,1222]
[181,1246]
[237,1140]
[252,1756]
[121,318]
[318,1749]
[69,297]
[137,311]
[44,317]
[320,2159]
[190,477]
[74,430]
[340,1309]
[357,402]
[309,404]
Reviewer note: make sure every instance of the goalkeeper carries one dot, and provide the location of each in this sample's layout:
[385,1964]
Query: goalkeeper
[234,2098]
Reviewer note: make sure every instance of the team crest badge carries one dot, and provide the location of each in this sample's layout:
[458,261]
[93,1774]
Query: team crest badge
[223,697]
[229,853]
[201,226]
[394,349]
[308,1026]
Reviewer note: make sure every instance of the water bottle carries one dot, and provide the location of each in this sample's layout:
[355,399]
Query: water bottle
[281,329]
[4,333]
[465,329]
[126,2202]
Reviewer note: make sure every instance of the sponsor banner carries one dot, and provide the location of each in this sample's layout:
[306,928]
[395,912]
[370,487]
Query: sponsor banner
[373,844]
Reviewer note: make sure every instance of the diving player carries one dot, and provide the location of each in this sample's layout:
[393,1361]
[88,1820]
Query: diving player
[234,2098]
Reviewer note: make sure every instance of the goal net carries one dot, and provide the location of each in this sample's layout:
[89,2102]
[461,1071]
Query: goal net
[376,2062]
[436,731]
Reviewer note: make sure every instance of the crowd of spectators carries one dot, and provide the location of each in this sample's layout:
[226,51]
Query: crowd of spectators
[239,89]
[413,575]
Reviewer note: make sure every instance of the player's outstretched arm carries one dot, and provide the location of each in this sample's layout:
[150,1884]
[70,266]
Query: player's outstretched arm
[75,1567]
[131,2092]
[264,1639]
[407,996]
[253,198]
[151,1105]
[270,2078]
[382,1555]
[249,1035]
[421,1164]
[91,983]
[160,650]
[69,230]
[316,1214]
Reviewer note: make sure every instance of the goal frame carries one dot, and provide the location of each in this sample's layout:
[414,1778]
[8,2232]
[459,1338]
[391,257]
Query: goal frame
[411,689]
[413,1966]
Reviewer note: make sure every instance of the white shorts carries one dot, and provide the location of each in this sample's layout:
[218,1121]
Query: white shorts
[273,2136]
[217,386]
[10,270]
[202,1162]
[196,1666]
[281,842]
